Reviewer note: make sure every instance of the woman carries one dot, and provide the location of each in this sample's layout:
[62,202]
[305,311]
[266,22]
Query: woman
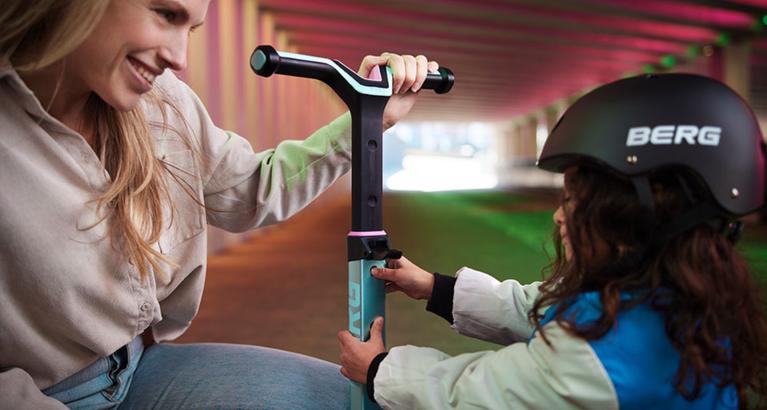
[648,305]
[110,168]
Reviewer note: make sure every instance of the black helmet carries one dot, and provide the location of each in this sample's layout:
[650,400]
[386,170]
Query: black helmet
[638,125]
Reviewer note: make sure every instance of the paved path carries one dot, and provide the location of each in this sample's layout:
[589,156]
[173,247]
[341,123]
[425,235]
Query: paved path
[286,286]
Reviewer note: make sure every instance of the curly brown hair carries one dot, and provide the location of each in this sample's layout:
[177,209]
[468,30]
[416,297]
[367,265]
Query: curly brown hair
[714,311]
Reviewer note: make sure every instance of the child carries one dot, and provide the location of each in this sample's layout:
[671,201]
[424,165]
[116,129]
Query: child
[648,305]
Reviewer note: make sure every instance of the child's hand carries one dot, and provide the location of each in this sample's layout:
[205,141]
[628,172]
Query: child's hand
[406,277]
[356,356]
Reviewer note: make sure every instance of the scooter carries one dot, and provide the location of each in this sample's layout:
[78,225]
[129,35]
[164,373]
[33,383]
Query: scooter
[367,242]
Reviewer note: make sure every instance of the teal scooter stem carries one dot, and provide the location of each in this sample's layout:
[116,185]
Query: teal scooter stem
[367,243]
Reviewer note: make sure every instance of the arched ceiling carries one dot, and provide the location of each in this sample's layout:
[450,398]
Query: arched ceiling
[513,57]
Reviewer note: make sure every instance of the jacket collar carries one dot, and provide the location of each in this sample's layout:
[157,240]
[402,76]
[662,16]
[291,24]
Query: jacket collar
[21,93]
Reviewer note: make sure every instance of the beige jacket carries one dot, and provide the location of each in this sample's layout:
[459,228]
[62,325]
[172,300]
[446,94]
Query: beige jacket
[563,375]
[66,296]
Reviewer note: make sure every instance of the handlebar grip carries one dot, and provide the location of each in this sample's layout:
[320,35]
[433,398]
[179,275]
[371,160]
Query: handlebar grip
[266,61]
[441,82]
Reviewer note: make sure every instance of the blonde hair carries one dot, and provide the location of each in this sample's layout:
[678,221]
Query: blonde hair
[34,35]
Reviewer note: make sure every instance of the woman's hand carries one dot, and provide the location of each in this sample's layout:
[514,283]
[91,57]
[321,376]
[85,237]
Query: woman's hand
[408,75]
[356,356]
[403,275]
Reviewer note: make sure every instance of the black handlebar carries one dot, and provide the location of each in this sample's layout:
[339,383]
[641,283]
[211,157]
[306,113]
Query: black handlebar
[266,61]
[366,99]
[441,81]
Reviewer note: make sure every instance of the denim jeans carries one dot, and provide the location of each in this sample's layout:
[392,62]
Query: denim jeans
[204,376]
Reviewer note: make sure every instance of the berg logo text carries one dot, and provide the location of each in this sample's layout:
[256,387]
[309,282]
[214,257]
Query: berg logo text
[674,135]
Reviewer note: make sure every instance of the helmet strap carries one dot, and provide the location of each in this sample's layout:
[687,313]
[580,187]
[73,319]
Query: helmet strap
[702,212]
[647,217]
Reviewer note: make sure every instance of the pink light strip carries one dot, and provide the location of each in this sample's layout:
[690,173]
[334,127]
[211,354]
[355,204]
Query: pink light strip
[366,233]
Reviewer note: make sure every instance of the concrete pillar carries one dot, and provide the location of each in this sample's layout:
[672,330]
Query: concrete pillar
[527,145]
[507,151]
[736,67]
[508,139]
[552,113]
[736,72]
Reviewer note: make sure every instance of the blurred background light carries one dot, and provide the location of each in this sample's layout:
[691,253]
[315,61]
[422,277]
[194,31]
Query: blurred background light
[440,156]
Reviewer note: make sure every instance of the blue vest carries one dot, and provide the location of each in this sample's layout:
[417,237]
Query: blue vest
[640,360]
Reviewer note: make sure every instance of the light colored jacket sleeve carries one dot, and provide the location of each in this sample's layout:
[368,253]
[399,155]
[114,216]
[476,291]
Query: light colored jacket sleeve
[565,375]
[495,311]
[244,189]
[19,391]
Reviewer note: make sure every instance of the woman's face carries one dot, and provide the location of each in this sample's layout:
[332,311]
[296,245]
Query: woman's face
[560,216]
[135,42]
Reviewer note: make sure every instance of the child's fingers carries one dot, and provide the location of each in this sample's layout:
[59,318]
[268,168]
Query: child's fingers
[376,330]
[393,263]
[385,274]
[345,373]
[344,337]
[392,287]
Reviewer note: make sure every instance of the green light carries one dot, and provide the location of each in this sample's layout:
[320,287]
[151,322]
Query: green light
[648,68]
[722,39]
[668,61]
[759,23]
[692,51]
